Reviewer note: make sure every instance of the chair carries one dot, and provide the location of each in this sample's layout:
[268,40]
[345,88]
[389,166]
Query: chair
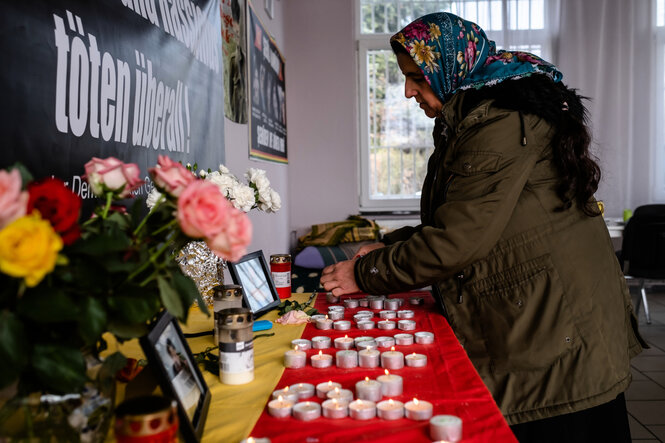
[642,254]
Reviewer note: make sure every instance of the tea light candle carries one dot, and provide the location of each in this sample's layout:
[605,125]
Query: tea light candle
[362,317]
[323,388]
[424,338]
[321,342]
[368,390]
[362,338]
[332,298]
[255,440]
[363,302]
[324,323]
[335,409]
[304,390]
[368,358]
[386,324]
[306,410]
[389,409]
[405,314]
[345,342]
[391,303]
[369,313]
[351,303]
[346,359]
[295,359]
[392,359]
[335,315]
[302,344]
[391,384]
[315,317]
[336,308]
[342,395]
[342,325]
[286,394]
[387,314]
[418,409]
[406,325]
[366,344]
[403,339]
[416,300]
[445,427]
[365,325]
[385,342]
[362,410]
[279,407]
[321,360]
[376,303]
[416,360]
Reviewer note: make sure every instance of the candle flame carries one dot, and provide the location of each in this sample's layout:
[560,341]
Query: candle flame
[326,316]
[390,401]
[392,348]
[296,347]
[320,353]
[346,336]
[414,354]
[300,385]
[387,373]
[286,389]
[415,401]
[279,398]
[366,379]
[306,403]
[250,440]
[336,390]
[334,401]
[329,383]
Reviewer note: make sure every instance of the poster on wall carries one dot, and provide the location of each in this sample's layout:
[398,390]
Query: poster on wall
[267,115]
[128,79]
[234,52]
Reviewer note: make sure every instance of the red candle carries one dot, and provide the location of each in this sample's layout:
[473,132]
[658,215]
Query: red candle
[280,269]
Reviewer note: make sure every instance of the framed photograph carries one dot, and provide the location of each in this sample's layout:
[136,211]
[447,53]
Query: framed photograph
[252,273]
[269,8]
[178,375]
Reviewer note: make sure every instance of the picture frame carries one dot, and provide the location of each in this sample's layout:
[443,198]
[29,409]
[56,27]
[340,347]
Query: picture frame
[269,7]
[178,375]
[258,290]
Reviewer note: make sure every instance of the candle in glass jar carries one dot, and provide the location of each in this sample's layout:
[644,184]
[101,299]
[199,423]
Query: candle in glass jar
[368,358]
[424,338]
[386,324]
[368,390]
[365,325]
[321,360]
[390,409]
[418,409]
[306,410]
[405,314]
[286,394]
[342,325]
[391,384]
[445,427]
[385,342]
[321,342]
[303,390]
[386,315]
[323,388]
[351,303]
[280,408]
[345,342]
[416,360]
[392,359]
[295,359]
[362,409]
[403,339]
[391,303]
[406,325]
[324,323]
[335,315]
[340,394]
[335,409]
[302,344]
[346,359]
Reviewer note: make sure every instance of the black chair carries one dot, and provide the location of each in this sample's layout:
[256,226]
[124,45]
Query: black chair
[642,254]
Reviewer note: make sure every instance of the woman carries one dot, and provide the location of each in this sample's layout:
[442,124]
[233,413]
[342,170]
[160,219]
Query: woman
[510,238]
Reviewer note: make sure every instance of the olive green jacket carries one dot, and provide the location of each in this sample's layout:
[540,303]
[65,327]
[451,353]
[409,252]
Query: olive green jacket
[534,293]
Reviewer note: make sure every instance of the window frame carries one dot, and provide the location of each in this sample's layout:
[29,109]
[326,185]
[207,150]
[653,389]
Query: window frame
[657,185]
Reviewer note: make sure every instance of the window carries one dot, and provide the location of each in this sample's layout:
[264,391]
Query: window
[396,137]
[658,185]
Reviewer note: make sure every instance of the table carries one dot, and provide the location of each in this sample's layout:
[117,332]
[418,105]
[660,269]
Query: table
[449,382]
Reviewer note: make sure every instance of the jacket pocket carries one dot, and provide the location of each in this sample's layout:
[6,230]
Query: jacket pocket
[525,317]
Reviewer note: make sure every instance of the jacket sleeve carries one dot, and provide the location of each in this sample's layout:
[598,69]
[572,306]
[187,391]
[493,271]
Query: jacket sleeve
[490,169]
[401,234]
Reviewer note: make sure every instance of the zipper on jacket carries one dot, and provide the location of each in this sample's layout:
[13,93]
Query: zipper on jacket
[460,278]
[445,189]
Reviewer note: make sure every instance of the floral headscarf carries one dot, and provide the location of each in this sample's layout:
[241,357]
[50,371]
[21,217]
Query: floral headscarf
[455,54]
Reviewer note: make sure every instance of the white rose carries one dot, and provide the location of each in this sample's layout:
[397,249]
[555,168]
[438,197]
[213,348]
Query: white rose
[152,198]
[276,201]
[258,177]
[242,197]
[225,182]
[223,169]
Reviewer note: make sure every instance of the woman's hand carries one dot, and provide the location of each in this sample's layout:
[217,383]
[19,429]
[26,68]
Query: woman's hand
[368,248]
[339,278]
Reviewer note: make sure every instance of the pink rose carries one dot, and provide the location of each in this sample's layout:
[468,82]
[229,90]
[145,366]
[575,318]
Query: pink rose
[13,201]
[112,175]
[231,244]
[170,176]
[202,209]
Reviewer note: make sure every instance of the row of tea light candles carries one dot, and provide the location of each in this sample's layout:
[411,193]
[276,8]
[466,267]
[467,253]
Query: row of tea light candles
[363,319]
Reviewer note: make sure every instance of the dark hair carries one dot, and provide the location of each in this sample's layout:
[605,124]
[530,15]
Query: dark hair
[562,108]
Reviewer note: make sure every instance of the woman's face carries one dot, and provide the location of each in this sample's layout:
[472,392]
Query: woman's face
[415,85]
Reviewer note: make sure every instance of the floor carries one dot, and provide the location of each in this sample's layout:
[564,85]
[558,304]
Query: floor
[645,397]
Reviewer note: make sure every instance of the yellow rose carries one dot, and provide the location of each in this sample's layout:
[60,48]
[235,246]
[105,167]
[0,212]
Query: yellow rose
[29,248]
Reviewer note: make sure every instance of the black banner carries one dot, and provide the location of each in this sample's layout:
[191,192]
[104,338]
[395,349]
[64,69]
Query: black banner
[132,79]
[267,117]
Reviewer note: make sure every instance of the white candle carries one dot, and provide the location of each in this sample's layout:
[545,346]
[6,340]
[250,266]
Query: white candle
[368,358]
[335,308]
[335,315]
[366,344]
[370,313]
[386,324]
[403,339]
[424,338]
[445,427]
[368,390]
[390,409]
[255,440]
[346,359]
[304,390]
[342,325]
[315,317]
[416,360]
[332,298]
[342,395]
[391,303]
[418,409]
[365,325]
[323,388]
[406,325]
[391,384]
[416,300]
[362,409]
[376,304]
[302,344]
[405,314]
[335,409]
[295,359]
[345,342]
[385,342]
[392,359]
[286,394]
[363,302]
[306,410]
[351,303]
[280,408]
[321,342]
[321,360]
[362,338]
[324,323]
[387,314]
[362,317]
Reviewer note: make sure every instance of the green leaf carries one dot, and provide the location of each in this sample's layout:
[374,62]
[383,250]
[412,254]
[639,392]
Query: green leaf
[127,330]
[13,346]
[107,241]
[47,305]
[170,298]
[110,367]
[92,319]
[188,292]
[59,368]
[133,309]
[26,176]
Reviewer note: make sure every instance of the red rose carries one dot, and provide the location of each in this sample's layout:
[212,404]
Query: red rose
[57,204]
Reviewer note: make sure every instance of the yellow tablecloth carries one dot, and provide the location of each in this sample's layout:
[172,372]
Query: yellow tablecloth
[233,409]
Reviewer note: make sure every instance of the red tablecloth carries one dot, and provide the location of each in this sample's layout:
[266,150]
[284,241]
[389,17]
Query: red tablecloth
[449,382]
